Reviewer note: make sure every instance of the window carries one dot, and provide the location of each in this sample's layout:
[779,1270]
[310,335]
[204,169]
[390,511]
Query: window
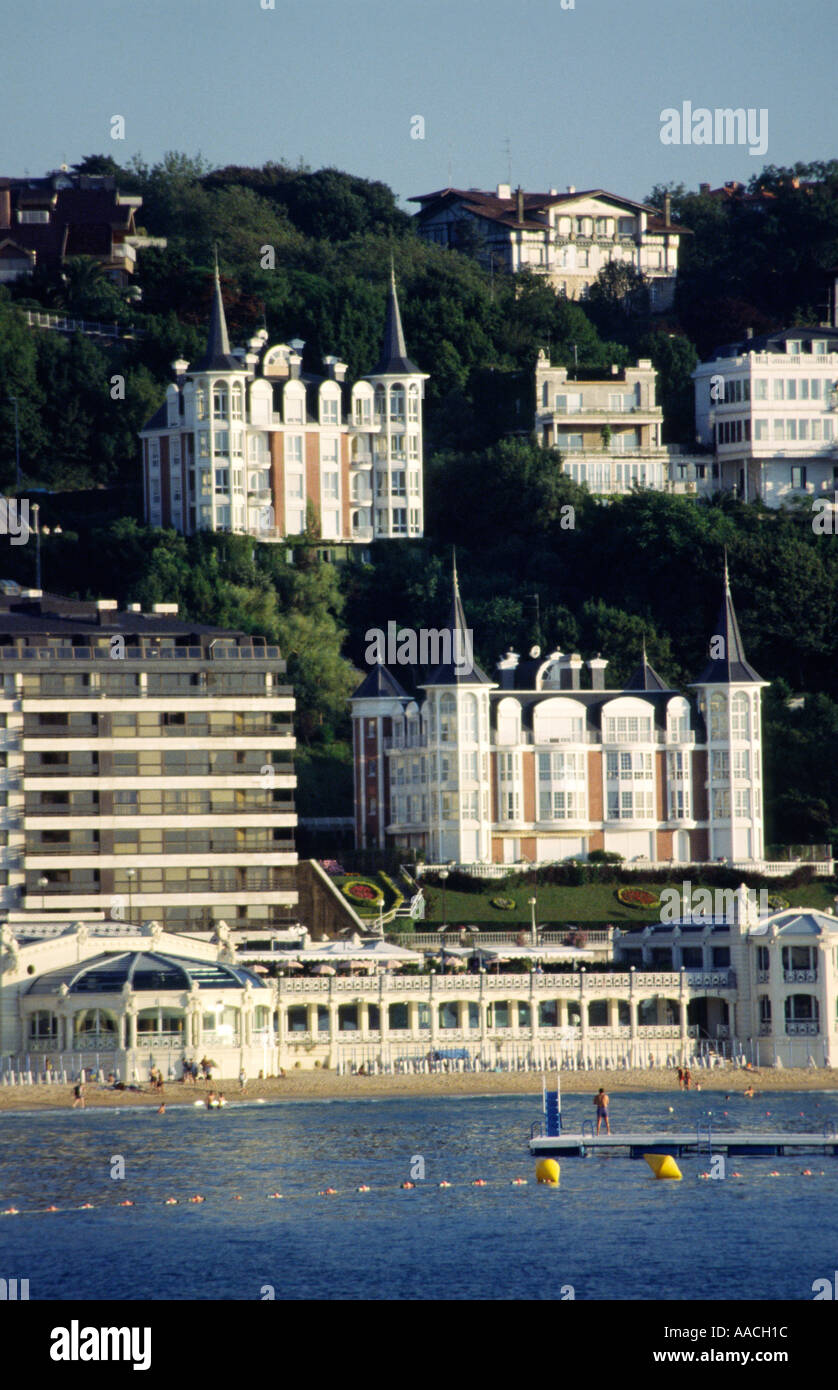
[718,716]
[568,403]
[219,401]
[760,389]
[760,430]
[742,802]
[33,215]
[798,474]
[399,483]
[720,766]
[721,804]
[779,389]
[330,486]
[328,411]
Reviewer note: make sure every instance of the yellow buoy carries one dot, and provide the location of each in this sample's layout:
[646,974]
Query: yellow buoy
[663,1165]
[547,1171]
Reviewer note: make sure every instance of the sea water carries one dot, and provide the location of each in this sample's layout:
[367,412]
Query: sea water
[609,1231]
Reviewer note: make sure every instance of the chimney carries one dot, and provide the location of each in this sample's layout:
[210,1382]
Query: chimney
[704,188]
[507,666]
[597,668]
[749,333]
[519,203]
[179,366]
[104,606]
[336,369]
[571,188]
[667,209]
[504,190]
[575,663]
[5,205]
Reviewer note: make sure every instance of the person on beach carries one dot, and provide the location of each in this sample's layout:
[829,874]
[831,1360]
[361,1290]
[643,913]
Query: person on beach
[222,1100]
[680,1078]
[78,1095]
[242,1079]
[688,1081]
[601,1101]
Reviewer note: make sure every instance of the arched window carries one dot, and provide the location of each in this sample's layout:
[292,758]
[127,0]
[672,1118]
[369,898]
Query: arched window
[468,730]
[447,719]
[509,721]
[43,1024]
[678,720]
[718,715]
[740,718]
[200,403]
[219,400]
[238,401]
[413,402]
[397,402]
[95,1021]
[380,400]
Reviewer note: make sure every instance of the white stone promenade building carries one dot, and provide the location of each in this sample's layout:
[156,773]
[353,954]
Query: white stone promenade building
[112,998]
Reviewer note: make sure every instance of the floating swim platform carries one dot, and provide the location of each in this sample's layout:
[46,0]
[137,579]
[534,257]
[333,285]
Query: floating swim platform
[742,1143]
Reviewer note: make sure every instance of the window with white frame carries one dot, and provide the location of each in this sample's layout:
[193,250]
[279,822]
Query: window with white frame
[628,728]
[740,720]
[721,803]
[718,715]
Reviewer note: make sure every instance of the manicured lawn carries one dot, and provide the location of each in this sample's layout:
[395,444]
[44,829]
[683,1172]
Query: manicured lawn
[593,902]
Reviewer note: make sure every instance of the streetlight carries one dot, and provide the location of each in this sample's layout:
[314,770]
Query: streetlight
[35,512]
[534,939]
[130,874]
[443,874]
[43,884]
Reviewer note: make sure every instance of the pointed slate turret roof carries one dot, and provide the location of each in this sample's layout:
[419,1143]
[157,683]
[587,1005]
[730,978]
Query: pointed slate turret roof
[645,677]
[394,358]
[379,682]
[730,665]
[461,668]
[217,357]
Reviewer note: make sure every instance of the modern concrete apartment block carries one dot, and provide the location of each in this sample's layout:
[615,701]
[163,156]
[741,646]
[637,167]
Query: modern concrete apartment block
[146,766]
[768,408]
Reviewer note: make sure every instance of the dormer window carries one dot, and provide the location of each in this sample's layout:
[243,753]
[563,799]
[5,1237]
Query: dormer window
[329,411]
[794,345]
[33,215]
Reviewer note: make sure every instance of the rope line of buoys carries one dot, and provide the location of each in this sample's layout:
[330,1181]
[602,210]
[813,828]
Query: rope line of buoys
[547,1172]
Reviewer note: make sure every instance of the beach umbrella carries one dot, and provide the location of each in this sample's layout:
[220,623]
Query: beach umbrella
[259,969]
[323,970]
[290,965]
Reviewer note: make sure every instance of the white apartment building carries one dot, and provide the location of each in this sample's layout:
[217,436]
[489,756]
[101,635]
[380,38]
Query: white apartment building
[533,767]
[247,441]
[608,427]
[146,767]
[566,237]
[768,407]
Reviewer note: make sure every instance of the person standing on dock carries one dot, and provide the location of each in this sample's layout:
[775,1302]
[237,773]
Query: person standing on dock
[601,1102]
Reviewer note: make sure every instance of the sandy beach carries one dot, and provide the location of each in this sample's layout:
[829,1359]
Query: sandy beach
[324,1085]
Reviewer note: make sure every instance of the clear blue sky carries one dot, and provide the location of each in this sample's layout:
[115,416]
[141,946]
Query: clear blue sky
[578,93]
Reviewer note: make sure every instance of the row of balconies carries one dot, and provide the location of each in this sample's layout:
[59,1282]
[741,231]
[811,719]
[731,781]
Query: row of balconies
[526,739]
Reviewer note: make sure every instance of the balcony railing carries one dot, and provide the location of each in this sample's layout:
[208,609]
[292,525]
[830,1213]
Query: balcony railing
[146,652]
[802,1028]
[800,977]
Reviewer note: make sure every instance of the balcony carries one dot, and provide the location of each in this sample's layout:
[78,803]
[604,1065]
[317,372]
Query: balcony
[800,977]
[802,1028]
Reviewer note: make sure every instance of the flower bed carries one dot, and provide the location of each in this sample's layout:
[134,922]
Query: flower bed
[638,897]
[777,902]
[503,904]
[361,890]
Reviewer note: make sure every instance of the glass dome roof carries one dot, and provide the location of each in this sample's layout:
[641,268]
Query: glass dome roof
[143,970]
